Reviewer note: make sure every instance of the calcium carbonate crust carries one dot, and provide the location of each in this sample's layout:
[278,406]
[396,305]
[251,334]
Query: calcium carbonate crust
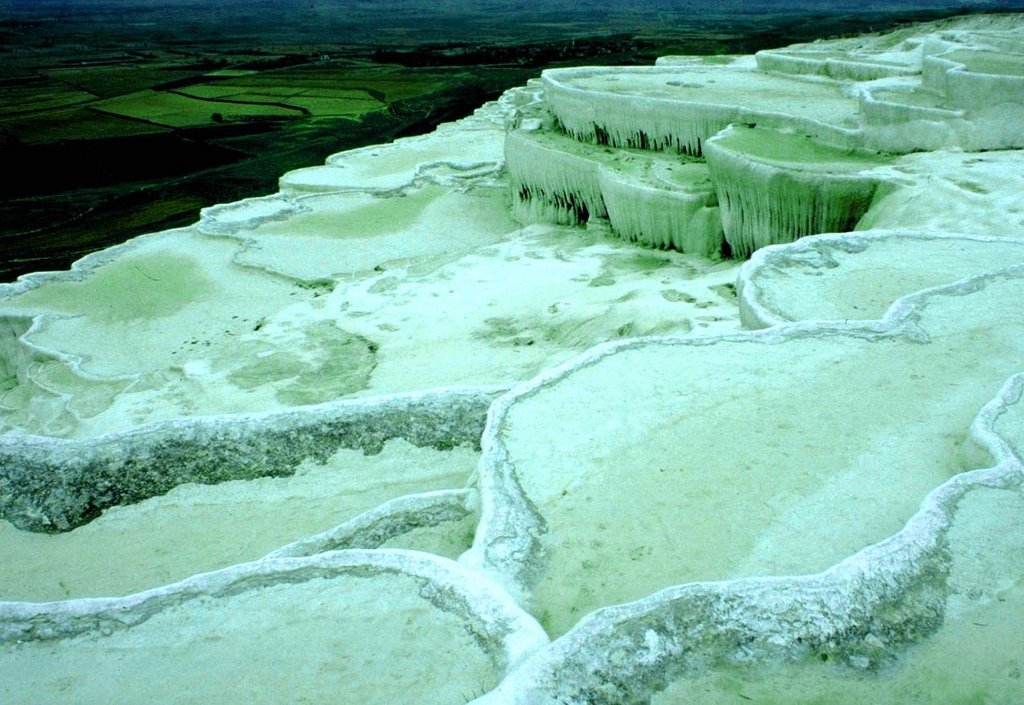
[54,484]
[500,626]
[818,254]
[863,612]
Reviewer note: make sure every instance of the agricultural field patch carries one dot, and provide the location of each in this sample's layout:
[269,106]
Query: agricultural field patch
[176,110]
[319,102]
[110,81]
[389,83]
[74,124]
[336,107]
[29,98]
[216,90]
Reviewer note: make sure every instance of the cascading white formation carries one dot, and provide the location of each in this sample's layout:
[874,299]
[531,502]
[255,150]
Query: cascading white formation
[961,91]
[776,187]
[551,185]
[656,200]
[634,157]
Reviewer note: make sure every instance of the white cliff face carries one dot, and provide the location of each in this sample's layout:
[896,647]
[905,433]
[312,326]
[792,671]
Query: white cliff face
[775,187]
[659,201]
[527,341]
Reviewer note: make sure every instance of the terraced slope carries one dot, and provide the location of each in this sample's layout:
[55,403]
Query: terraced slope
[237,459]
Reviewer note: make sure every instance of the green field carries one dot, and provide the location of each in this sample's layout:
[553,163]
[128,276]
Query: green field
[73,124]
[111,81]
[176,110]
[34,99]
[317,102]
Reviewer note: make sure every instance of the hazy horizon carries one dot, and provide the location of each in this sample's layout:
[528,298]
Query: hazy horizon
[431,21]
[476,7]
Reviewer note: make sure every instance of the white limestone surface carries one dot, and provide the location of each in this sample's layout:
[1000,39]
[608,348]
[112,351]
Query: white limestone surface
[439,522]
[355,232]
[857,276]
[331,295]
[776,187]
[890,619]
[978,193]
[903,116]
[678,108]
[468,153]
[771,453]
[970,95]
[54,485]
[198,528]
[975,656]
[130,321]
[658,200]
[749,459]
[511,310]
[854,65]
[367,626]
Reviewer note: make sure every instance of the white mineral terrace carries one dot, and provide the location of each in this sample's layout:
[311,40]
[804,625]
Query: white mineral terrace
[680,107]
[499,415]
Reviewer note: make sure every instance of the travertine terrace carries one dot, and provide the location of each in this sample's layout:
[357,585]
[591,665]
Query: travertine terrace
[699,382]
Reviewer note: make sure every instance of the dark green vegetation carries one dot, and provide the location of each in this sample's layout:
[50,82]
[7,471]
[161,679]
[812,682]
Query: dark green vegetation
[119,119]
